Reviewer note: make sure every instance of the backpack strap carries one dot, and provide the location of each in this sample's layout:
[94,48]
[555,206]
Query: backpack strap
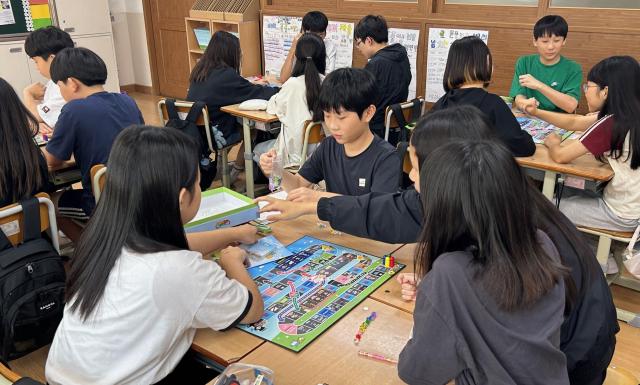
[401,150]
[195,111]
[397,112]
[416,110]
[172,112]
[31,212]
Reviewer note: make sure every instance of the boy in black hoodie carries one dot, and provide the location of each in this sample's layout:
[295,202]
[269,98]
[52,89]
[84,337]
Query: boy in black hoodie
[388,63]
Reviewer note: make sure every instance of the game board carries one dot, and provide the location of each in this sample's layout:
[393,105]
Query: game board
[539,129]
[309,291]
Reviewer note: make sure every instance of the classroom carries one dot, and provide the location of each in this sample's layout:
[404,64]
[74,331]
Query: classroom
[277,192]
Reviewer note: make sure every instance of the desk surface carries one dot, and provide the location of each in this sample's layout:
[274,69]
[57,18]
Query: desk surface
[258,116]
[333,357]
[230,346]
[586,166]
[390,292]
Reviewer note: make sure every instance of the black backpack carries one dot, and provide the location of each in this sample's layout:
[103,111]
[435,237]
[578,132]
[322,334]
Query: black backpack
[32,285]
[208,166]
[403,137]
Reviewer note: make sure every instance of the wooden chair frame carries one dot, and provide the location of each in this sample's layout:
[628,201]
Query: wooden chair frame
[390,120]
[313,133]
[98,179]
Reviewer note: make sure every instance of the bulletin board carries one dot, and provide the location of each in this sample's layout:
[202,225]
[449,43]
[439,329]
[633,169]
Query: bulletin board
[20,17]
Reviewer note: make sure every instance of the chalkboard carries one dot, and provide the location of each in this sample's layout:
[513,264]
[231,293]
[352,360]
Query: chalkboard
[19,17]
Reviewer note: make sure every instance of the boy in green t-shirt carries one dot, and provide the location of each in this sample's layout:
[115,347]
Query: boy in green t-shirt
[548,80]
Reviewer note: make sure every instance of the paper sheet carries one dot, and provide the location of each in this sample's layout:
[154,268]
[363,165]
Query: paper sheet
[6,13]
[409,38]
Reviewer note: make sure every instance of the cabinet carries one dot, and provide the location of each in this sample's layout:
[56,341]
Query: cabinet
[85,17]
[103,46]
[14,65]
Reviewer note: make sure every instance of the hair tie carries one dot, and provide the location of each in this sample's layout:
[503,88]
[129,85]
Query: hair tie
[308,58]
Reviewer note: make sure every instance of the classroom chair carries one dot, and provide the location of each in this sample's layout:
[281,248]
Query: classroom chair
[313,134]
[7,376]
[619,376]
[12,215]
[605,237]
[409,111]
[183,107]
[98,178]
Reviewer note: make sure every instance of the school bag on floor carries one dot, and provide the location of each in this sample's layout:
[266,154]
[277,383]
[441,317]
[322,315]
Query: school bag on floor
[32,285]
[208,166]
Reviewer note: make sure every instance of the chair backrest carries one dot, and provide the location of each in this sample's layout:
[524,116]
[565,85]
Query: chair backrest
[619,376]
[98,178]
[12,221]
[407,108]
[8,376]
[313,133]
[184,107]
[406,163]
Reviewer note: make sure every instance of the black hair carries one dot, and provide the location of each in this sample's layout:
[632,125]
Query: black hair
[310,62]
[469,60]
[81,64]
[441,126]
[550,25]
[467,208]
[374,27]
[20,174]
[315,21]
[351,89]
[144,162]
[621,74]
[47,41]
[223,51]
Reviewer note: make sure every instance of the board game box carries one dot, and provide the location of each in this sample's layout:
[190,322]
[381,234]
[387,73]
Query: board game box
[306,293]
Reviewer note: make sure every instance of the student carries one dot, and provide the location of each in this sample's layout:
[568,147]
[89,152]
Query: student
[352,161]
[23,169]
[389,64]
[136,293]
[86,129]
[466,77]
[216,81]
[613,134]
[490,303]
[588,332]
[314,22]
[547,80]
[297,101]
[45,101]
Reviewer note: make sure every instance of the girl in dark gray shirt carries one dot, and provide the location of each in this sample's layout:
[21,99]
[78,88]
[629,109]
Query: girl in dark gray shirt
[491,301]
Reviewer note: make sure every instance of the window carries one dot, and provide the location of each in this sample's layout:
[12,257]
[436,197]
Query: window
[494,2]
[629,4]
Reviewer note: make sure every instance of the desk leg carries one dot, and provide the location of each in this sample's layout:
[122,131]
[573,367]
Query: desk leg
[248,157]
[549,184]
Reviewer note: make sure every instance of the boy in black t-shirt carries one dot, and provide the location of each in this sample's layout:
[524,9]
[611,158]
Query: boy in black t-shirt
[352,161]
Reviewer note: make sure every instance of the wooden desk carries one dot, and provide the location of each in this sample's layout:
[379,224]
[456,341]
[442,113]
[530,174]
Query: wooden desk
[232,345]
[390,293]
[585,167]
[247,117]
[333,357]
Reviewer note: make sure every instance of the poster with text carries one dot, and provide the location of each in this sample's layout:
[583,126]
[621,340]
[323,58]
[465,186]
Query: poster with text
[278,33]
[6,13]
[438,44]
[409,38]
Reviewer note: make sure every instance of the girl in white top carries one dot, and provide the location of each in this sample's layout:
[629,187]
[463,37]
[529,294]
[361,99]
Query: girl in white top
[296,101]
[136,293]
[612,134]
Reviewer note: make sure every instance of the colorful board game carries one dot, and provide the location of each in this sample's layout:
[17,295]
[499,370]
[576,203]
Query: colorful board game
[309,291]
[539,129]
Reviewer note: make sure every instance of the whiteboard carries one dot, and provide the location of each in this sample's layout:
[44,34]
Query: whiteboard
[409,39]
[438,45]
[278,33]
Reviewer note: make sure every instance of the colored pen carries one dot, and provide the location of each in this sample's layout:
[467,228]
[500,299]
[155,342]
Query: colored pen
[377,357]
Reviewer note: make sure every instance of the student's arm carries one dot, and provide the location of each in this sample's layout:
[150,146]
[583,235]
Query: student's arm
[52,160]
[508,129]
[207,242]
[32,95]
[288,210]
[287,66]
[517,91]
[232,262]
[570,122]
[564,101]
[564,153]
[289,181]
[61,145]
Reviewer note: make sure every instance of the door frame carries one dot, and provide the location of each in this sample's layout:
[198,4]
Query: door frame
[151,46]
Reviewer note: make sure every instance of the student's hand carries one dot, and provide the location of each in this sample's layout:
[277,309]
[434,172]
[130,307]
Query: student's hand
[530,106]
[288,210]
[36,90]
[247,234]
[232,255]
[530,82]
[304,194]
[408,282]
[44,129]
[266,162]
[552,139]
[260,82]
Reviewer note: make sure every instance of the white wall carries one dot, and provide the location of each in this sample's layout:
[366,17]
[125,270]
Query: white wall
[127,21]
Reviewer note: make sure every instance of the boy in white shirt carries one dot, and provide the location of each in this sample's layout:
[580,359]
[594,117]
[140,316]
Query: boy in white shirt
[45,101]
[313,22]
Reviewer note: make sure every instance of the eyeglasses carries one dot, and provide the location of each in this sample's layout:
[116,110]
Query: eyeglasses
[586,86]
